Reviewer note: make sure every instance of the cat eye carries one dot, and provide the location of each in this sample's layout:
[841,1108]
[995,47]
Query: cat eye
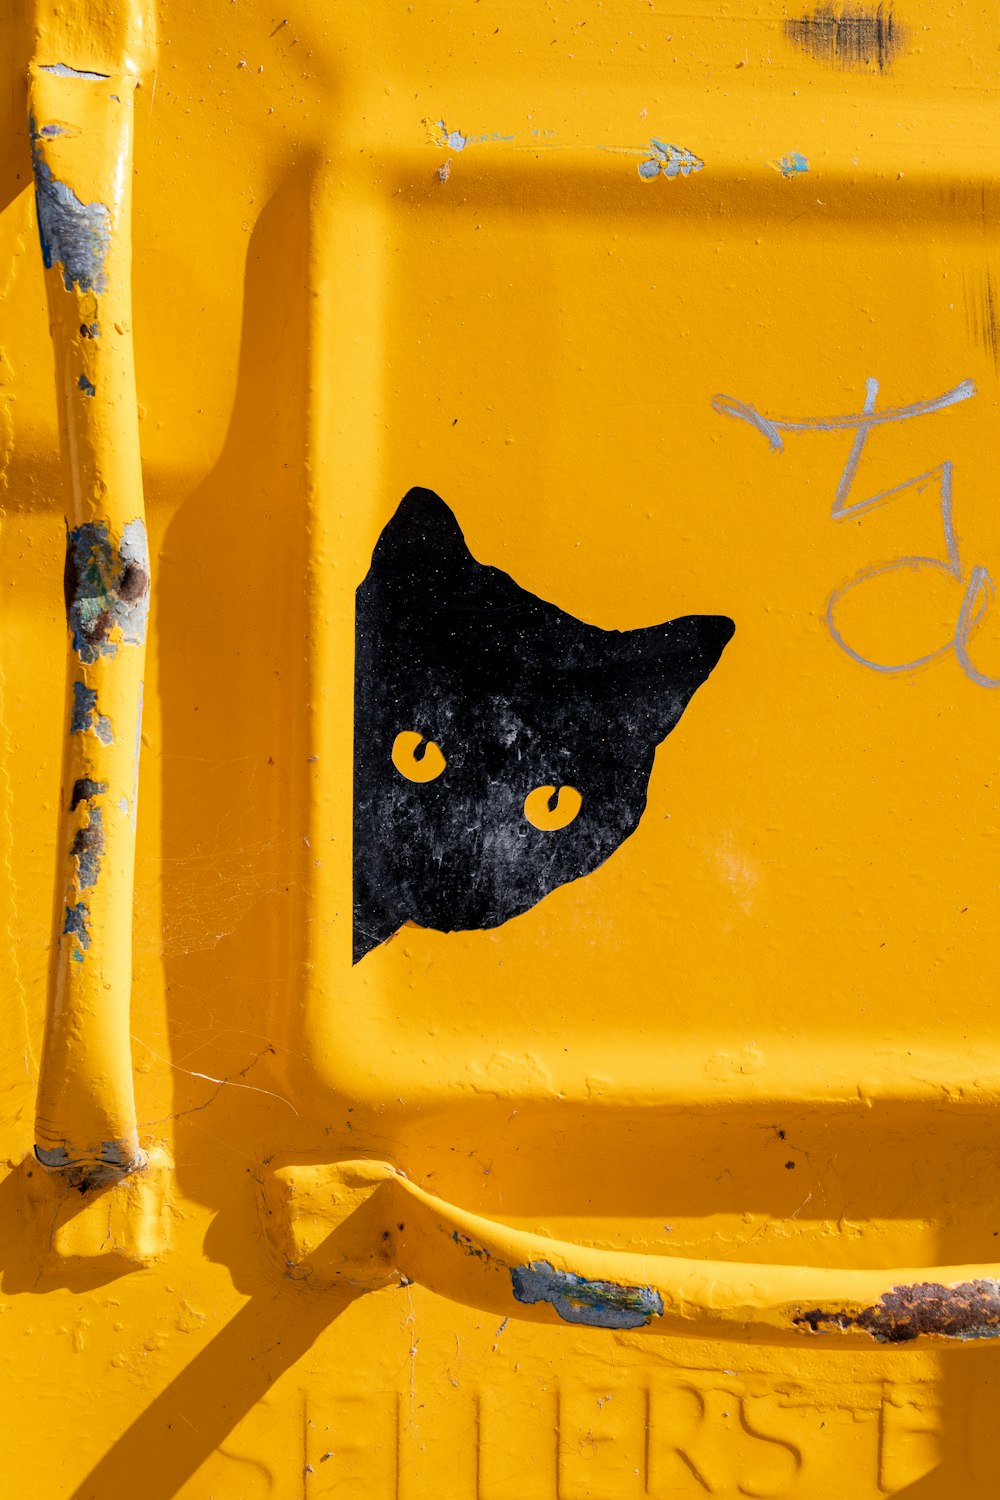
[550,808]
[414,762]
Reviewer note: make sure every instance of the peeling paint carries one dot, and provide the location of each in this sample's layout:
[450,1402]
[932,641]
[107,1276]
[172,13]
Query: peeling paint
[73,234]
[598,1304]
[106,587]
[53,1157]
[77,923]
[87,386]
[968,1310]
[453,139]
[792,164]
[669,161]
[84,715]
[117,1157]
[63,70]
[83,789]
[466,1243]
[90,330]
[88,848]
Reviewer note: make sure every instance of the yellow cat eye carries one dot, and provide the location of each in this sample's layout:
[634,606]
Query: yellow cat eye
[426,767]
[549,809]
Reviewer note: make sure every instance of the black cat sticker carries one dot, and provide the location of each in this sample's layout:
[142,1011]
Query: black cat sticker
[501,746]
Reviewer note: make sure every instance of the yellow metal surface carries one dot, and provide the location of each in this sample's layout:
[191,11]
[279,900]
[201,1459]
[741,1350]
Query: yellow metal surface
[680,1180]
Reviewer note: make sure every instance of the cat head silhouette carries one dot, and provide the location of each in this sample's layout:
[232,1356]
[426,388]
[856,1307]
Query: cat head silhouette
[501,746]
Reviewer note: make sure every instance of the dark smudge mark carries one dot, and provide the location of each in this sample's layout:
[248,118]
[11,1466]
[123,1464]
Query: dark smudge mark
[852,37]
[981,317]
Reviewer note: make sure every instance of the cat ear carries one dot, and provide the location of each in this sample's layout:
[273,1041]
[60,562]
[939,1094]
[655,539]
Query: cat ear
[423,533]
[656,671]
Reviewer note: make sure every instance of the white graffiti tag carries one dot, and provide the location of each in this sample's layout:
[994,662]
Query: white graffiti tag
[976,582]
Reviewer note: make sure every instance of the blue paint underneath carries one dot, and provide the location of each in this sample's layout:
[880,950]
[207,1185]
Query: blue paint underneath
[598,1304]
[453,139]
[792,164]
[466,1243]
[73,234]
[84,715]
[87,386]
[77,923]
[668,160]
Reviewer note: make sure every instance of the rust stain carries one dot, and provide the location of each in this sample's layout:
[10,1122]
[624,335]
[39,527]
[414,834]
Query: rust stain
[969,1310]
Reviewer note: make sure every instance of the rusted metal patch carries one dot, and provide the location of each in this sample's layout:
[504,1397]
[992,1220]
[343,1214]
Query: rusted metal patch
[969,1310]
[106,586]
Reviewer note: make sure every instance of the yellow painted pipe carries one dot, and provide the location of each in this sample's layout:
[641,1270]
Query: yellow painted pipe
[461,1255]
[81,123]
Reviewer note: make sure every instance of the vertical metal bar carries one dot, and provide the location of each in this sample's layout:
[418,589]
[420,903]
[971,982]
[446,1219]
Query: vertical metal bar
[81,132]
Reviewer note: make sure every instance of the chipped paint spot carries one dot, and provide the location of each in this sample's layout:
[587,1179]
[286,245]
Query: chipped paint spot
[853,37]
[87,386]
[466,1243]
[117,1158]
[792,164]
[444,171]
[669,161]
[53,1157]
[77,923]
[453,140]
[63,70]
[106,588]
[83,789]
[50,131]
[598,1304]
[88,848]
[968,1310]
[84,715]
[123,805]
[73,234]
[90,330]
